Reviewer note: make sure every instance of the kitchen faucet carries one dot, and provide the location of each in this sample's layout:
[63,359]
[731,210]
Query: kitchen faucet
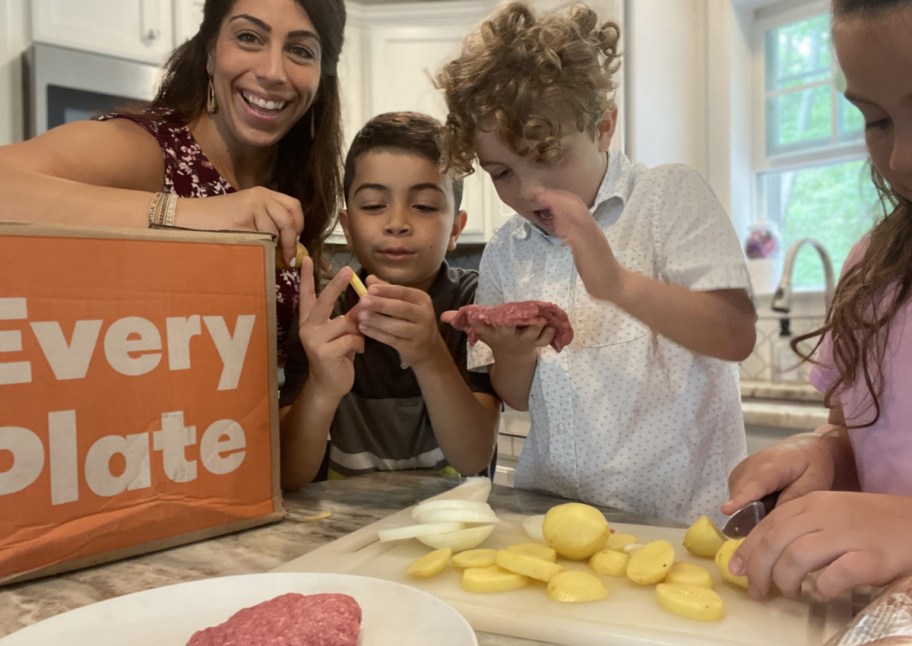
[782,299]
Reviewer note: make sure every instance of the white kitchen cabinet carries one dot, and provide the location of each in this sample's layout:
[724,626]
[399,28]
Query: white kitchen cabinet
[188,14]
[404,59]
[13,41]
[391,54]
[139,30]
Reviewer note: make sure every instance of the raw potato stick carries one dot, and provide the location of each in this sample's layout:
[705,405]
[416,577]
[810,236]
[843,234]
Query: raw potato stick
[358,286]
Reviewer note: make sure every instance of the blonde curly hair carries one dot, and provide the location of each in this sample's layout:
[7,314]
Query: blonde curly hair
[522,76]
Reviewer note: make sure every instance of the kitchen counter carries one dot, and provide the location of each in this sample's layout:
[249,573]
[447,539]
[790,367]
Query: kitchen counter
[790,406]
[352,503]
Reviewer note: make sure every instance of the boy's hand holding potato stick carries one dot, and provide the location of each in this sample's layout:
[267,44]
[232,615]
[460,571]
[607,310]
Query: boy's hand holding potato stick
[403,318]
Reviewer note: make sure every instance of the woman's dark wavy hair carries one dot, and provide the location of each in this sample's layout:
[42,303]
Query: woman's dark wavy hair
[307,167]
[871,292]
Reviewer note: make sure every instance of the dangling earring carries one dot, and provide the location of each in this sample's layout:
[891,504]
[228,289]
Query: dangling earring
[313,125]
[211,103]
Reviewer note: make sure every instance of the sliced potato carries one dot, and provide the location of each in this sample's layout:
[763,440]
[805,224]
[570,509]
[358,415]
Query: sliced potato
[481,557]
[610,562]
[530,566]
[723,556]
[619,540]
[459,540]
[576,530]
[689,574]
[692,602]
[703,538]
[650,563]
[414,531]
[492,579]
[538,550]
[431,563]
[575,586]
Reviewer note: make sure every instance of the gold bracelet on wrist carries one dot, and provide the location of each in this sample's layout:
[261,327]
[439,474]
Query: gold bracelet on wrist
[162,210]
[170,210]
[153,207]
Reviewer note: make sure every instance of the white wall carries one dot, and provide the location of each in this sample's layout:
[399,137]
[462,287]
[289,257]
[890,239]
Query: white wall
[689,68]
[729,69]
[665,69]
[13,41]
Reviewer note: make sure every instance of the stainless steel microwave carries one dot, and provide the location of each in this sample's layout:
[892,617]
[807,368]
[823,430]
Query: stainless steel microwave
[63,85]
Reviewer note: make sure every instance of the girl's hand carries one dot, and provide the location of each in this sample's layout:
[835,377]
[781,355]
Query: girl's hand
[846,538]
[330,343]
[252,209]
[795,466]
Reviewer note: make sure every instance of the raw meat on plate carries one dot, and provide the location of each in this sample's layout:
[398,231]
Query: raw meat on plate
[291,619]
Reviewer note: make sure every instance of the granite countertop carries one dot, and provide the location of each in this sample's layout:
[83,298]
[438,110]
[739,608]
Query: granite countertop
[790,405]
[352,503]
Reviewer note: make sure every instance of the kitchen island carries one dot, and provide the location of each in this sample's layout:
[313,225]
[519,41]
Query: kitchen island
[316,516]
[350,504]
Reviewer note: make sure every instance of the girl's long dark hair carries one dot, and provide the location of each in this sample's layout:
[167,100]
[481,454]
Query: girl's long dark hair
[872,291]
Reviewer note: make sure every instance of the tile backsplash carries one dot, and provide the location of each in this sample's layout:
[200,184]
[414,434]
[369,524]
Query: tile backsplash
[772,358]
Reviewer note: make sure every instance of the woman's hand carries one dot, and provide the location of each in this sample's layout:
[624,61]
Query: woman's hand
[330,343]
[846,538]
[251,209]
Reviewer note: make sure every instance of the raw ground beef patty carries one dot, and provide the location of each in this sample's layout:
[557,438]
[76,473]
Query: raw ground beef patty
[518,313]
[290,619]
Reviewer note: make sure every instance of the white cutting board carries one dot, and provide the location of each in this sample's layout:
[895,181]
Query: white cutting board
[630,616]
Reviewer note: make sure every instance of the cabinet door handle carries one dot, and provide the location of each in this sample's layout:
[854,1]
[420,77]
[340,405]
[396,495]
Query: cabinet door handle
[150,20]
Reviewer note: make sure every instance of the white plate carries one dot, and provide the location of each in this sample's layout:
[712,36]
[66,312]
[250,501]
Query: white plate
[392,613]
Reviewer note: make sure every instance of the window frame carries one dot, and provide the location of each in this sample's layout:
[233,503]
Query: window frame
[767,168]
[763,163]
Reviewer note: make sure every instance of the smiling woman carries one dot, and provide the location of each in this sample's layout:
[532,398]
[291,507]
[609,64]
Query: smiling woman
[248,115]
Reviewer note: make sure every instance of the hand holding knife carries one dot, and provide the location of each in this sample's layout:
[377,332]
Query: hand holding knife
[747,517]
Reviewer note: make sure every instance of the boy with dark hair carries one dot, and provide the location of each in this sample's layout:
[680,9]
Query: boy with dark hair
[381,378]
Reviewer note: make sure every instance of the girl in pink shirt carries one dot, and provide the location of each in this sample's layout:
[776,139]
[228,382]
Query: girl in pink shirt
[845,507]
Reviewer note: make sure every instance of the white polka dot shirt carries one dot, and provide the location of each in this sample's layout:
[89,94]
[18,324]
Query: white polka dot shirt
[624,417]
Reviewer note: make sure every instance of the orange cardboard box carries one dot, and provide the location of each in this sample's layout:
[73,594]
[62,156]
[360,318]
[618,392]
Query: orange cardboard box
[138,392]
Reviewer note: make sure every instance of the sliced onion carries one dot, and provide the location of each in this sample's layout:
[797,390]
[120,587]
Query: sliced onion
[415,531]
[533,527]
[456,515]
[463,539]
[463,505]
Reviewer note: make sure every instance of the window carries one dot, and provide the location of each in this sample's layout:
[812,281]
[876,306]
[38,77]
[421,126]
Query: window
[812,178]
